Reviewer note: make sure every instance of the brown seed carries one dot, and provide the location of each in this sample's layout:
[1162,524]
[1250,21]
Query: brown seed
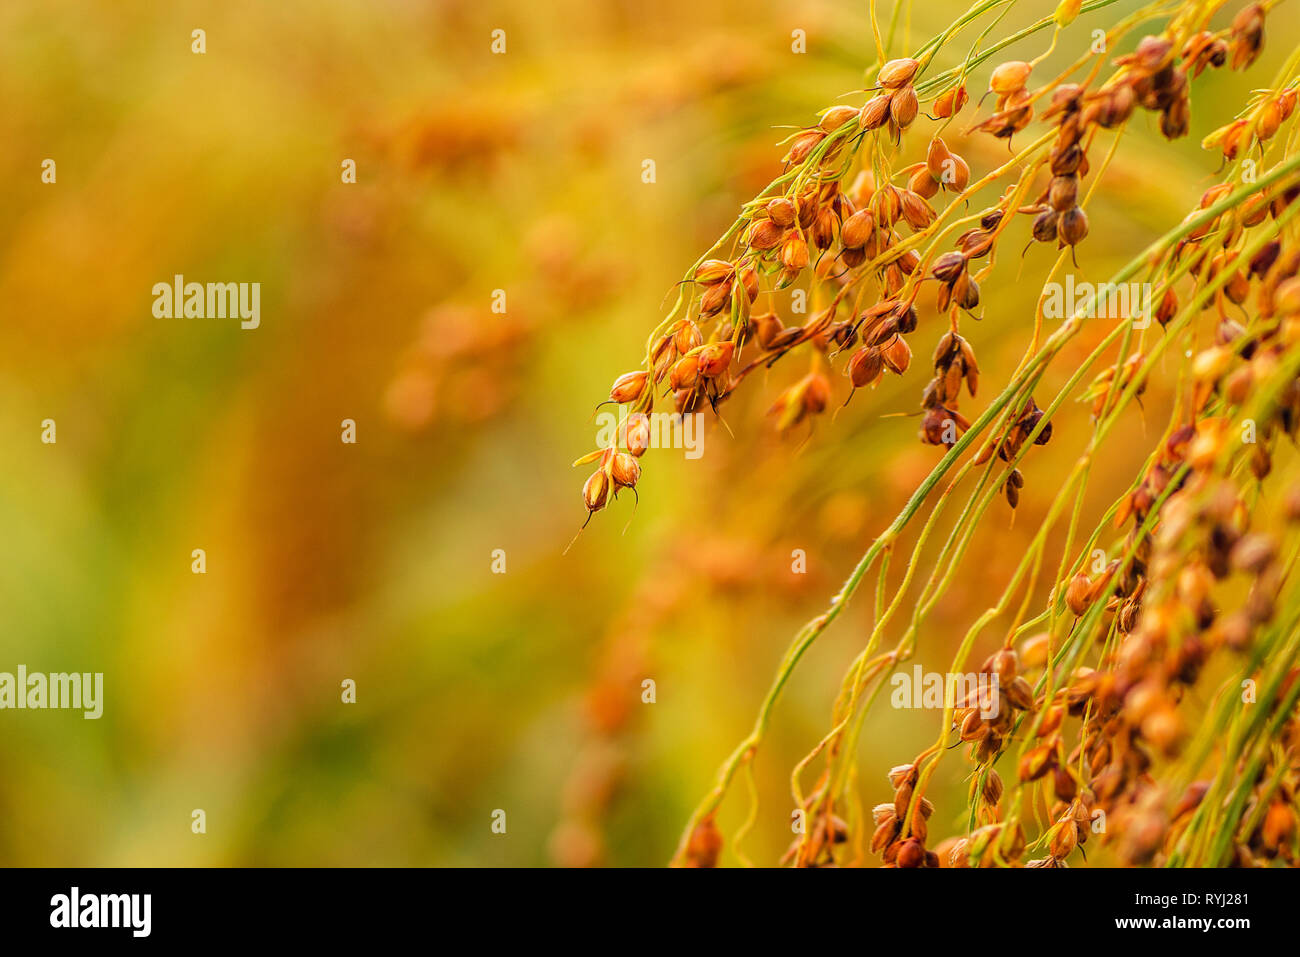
[794,253]
[1176,120]
[1064,840]
[1077,593]
[809,205]
[1020,694]
[1052,719]
[973,727]
[1233,135]
[883,812]
[950,102]
[883,834]
[684,373]
[749,280]
[897,355]
[1035,763]
[1033,651]
[816,392]
[1237,288]
[1063,193]
[911,854]
[957,177]
[1115,106]
[823,229]
[944,298]
[1287,100]
[1045,225]
[920,830]
[1066,100]
[947,349]
[1073,226]
[1247,35]
[629,386]
[803,145]
[766,234]
[1168,307]
[624,470]
[686,336]
[1152,53]
[902,800]
[959,856]
[952,380]
[1279,826]
[966,292]
[897,73]
[865,367]
[975,243]
[922,183]
[636,433]
[992,790]
[781,211]
[1263,260]
[903,107]
[595,491]
[785,338]
[890,857]
[714,300]
[1083,684]
[705,844]
[1005,664]
[713,271]
[886,206]
[715,357]
[1066,162]
[988,747]
[916,211]
[875,113]
[901,774]
[836,117]
[1163,729]
[1009,77]
[856,230]
[1064,785]
[1102,583]
[937,155]
[1253,553]
[1286,297]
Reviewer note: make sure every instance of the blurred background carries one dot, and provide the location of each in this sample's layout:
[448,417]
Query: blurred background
[477,691]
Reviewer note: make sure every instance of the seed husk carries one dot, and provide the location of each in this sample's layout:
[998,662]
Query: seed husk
[629,386]
[1009,77]
[1073,226]
[875,113]
[897,73]
[903,107]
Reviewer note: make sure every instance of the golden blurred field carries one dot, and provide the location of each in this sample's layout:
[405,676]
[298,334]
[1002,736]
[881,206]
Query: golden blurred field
[373,561]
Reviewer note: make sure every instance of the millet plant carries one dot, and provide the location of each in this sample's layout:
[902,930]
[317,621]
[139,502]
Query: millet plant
[1098,714]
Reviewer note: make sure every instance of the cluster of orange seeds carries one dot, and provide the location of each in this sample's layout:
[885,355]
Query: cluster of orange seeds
[900,832]
[1161,607]
[851,235]
[1087,714]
